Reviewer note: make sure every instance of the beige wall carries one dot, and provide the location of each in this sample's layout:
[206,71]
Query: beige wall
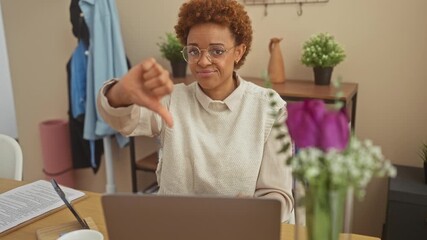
[385,41]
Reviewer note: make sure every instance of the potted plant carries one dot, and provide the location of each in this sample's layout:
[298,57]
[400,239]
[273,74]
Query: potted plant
[423,155]
[322,53]
[170,49]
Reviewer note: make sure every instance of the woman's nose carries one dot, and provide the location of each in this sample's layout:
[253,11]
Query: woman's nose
[204,59]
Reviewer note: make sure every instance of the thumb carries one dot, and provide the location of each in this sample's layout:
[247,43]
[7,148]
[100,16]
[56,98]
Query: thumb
[164,114]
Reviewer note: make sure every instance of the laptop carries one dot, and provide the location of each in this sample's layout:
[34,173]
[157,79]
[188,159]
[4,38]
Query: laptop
[158,217]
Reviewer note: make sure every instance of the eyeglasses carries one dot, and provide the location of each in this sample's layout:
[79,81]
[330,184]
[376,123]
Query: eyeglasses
[192,54]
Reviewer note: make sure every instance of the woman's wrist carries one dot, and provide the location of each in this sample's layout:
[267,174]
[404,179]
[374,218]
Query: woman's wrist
[115,96]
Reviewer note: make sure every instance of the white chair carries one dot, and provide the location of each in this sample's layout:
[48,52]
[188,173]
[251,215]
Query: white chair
[10,158]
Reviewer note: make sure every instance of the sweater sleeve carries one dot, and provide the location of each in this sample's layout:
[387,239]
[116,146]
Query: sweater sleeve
[129,121]
[275,178]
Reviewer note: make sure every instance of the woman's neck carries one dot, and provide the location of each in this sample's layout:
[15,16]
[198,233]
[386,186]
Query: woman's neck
[225,91]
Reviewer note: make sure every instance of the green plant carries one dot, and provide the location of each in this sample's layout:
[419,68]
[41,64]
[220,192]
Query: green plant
[423,152]
[321,50]
[328,163]
[171,48]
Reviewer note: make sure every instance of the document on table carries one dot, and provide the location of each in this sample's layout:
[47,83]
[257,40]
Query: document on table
[29,201]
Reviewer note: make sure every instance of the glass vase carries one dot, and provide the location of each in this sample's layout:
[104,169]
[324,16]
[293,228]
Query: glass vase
[323,213]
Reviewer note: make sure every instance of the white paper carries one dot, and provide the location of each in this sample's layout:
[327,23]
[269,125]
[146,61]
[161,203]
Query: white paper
[29,201]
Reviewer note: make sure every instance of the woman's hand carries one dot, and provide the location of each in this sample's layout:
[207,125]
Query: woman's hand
[145,84]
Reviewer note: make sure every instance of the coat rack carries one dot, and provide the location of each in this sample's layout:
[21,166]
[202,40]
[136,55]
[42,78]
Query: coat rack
[277,2]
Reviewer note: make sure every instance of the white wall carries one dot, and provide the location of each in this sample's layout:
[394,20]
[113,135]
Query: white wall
[7,106]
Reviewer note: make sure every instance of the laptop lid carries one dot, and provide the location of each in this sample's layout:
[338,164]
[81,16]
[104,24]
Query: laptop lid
[159,217]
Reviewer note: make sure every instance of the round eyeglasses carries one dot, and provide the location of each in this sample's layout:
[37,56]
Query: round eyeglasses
[192,54]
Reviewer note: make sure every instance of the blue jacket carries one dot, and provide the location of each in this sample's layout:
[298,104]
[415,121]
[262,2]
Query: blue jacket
[106,60]
[78,80]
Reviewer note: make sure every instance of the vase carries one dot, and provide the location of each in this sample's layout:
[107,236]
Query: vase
[179,68]
[322,75]
[276,66]
[327,213]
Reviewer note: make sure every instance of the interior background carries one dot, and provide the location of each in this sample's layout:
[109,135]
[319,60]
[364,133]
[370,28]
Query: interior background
[385,42]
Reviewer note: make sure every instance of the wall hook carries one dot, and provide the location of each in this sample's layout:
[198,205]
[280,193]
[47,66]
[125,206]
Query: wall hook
[265,10]
[277,2]
[299,12]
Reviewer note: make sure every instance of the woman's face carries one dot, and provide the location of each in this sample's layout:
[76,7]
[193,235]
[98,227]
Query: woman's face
[214,71]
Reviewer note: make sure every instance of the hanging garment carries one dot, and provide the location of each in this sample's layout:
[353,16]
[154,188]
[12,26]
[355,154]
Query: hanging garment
[84,153]
[80,148]
[79,27]
[78,80]
[106,60]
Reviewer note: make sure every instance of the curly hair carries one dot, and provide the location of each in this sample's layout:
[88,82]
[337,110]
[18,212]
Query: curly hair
[227,13]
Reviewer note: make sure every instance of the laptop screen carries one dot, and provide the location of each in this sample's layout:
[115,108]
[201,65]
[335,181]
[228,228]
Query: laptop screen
[159,217]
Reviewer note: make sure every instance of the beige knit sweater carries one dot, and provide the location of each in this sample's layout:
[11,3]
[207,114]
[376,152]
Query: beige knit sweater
[215,147]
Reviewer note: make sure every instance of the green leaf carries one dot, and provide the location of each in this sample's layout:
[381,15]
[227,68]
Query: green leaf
[322,50]
[339,95]
[273,114]
[171,47]
[280,136]
[288,161]
[273,103]
[285,148]
[338,105]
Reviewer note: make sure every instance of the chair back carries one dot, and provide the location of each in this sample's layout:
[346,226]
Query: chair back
[10,158]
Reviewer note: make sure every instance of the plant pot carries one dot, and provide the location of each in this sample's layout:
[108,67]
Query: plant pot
[322,75]
[425,172]
[179,68]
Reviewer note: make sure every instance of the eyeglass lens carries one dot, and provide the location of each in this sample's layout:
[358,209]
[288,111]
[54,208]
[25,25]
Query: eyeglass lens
[192,54]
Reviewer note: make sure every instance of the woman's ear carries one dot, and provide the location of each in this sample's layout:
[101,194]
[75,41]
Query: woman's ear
[239,51]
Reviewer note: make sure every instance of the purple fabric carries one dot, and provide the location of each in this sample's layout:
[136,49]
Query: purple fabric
[334,132]
[312,125]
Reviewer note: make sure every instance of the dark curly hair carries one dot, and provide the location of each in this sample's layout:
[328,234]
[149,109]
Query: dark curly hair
[223,12]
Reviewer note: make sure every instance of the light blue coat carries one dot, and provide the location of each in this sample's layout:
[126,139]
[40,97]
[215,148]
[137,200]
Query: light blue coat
[106,60]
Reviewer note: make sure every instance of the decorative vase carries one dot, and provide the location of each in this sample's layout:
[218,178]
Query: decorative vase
[327,212]
[322,75]
[179,68]
[276,67]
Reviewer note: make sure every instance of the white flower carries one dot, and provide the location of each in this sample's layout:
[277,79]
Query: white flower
[312,172]
[355,166]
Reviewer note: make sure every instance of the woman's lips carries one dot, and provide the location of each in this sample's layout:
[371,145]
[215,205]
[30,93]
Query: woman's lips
[205,73]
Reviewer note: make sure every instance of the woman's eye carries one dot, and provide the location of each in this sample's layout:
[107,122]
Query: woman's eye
[193,52]
[216,52]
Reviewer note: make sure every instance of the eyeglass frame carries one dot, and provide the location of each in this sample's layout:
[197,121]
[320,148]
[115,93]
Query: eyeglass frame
[209,57]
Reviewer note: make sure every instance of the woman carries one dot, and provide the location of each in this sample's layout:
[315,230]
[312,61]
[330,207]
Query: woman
[220,140]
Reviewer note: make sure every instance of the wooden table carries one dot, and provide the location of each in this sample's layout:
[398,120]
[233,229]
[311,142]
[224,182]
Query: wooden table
[297,90]
[91,207]
[87,207]
[288,233]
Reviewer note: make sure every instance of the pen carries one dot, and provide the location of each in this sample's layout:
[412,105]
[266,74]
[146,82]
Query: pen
[64,199]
